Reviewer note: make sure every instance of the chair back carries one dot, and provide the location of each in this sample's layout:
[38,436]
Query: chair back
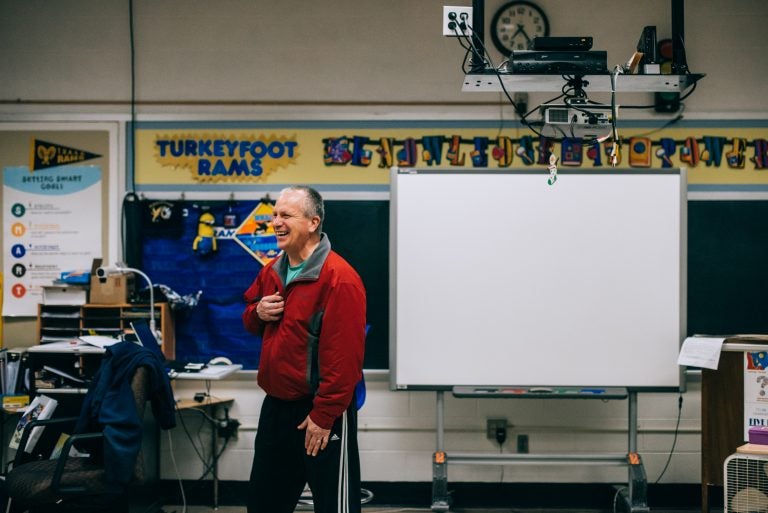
[34,483]
[140,389]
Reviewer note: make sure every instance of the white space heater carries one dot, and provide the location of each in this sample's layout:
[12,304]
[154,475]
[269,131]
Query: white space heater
[746,483]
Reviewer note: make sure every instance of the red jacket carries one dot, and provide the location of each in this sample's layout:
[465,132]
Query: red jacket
[316,348]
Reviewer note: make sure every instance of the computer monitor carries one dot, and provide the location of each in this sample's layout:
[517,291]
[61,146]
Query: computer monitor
[146,337]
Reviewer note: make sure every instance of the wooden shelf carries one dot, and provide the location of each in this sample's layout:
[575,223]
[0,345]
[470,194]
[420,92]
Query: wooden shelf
[63,322]
[489,81]
[184,404]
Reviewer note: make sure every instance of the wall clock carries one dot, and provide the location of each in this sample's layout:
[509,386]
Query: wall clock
[516,23]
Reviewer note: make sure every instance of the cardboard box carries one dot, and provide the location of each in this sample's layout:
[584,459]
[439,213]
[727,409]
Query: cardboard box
[114,289]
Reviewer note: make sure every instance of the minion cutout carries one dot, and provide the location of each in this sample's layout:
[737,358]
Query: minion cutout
[205,242]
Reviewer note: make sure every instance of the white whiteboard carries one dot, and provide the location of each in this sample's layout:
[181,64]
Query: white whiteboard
[497,278]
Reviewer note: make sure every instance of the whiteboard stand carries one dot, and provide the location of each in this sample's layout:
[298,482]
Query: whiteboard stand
[634,494]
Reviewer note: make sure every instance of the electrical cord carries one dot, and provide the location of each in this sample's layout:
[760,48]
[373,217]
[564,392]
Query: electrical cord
[200,454]
[674,440]
[486,58]
[614,156]
[470,47]
[133,95]
[681,99]
[366,496]
[501,437]
[178,475]
[616,498]
[530,125]
[207,466]
[501,116]
[130,195]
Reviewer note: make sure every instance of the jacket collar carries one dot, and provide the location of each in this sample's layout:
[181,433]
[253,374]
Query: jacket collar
[313,265]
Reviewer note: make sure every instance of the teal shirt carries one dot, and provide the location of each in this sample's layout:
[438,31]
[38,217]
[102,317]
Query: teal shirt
[293,271]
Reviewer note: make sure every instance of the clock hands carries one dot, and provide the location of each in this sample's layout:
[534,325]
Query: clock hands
[520,29]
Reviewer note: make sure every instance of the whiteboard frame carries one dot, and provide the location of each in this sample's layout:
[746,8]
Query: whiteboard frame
[453,373]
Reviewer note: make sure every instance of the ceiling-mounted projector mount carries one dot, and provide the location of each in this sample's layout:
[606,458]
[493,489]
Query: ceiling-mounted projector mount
[575,118]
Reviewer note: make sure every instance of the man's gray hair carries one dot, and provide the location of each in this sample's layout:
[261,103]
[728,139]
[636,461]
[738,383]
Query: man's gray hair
[313,203]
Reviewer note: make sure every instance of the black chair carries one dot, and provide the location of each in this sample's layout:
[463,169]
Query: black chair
[70,483]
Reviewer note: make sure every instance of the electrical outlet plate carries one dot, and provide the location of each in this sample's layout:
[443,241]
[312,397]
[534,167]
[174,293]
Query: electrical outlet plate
[522,444]
[457,15]
[492,425]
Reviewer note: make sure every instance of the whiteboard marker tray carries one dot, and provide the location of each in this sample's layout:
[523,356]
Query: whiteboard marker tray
[542,392]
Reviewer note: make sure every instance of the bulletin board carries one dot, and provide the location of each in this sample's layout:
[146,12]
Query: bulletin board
[213,327]
[500,279]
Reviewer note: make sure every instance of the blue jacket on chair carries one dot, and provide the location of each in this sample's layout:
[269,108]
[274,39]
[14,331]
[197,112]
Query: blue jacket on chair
[109,406]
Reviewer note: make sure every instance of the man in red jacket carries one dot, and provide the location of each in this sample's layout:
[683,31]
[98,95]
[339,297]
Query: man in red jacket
[308,306]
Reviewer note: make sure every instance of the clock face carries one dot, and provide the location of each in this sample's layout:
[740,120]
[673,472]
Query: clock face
[515,24]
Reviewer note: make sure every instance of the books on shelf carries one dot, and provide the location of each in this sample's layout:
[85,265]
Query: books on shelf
[41,407]
[52,378]
[68,378]
[14,373]
[47,339]
[15,402]
[47,314]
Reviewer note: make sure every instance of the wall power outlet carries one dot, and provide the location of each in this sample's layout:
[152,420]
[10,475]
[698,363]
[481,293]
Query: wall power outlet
[457,21]
[494,426]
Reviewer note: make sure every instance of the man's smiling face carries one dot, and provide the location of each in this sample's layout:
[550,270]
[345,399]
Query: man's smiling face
[292,226]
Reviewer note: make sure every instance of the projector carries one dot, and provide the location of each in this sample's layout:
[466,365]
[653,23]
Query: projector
[575,119]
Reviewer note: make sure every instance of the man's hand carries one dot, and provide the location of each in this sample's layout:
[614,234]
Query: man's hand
[270,308]
[315,438]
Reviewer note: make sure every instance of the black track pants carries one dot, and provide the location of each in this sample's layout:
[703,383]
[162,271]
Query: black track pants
[281,466]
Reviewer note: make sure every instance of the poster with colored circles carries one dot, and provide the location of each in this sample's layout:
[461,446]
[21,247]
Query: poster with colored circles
[52,223]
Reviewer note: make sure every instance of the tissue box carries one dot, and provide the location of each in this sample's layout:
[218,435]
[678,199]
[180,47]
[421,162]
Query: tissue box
[758,435]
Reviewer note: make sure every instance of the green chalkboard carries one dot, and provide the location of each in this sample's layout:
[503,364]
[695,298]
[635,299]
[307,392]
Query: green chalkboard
[727,267]
[359,232]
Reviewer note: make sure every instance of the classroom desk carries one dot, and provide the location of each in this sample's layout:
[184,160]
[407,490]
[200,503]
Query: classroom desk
[211,373]
[722,411]
[208,374]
